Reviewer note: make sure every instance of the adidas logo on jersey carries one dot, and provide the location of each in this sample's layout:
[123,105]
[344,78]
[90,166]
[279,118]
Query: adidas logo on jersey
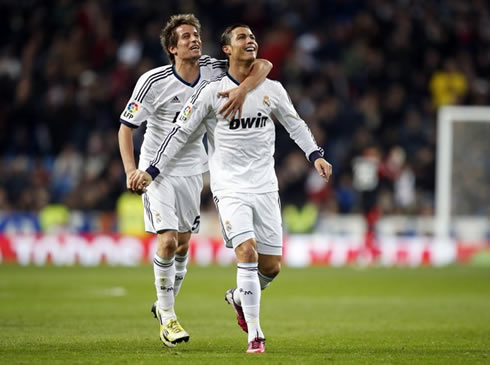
[175,99]
[257,122]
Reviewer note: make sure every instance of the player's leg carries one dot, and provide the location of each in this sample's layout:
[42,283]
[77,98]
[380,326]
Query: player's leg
[268,232]
[187,202]
[225,207]
[164,270]
[248,288]
[236,219]
[181,260]
[267,225]
[160,218]
[269,268]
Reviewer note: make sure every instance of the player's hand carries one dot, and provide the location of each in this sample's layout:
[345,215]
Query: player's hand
[129,178]
[234,104]
[139,181]
[323,168]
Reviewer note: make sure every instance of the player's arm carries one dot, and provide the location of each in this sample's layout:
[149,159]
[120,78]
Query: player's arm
[126,149]
[236,96]
[135,113]
[190,118]
[300,133]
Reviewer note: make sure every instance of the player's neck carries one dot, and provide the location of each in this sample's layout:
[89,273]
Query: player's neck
[188,70]
[239,71]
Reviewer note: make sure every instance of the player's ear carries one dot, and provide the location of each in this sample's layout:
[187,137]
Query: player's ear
[172,50]
[226,49]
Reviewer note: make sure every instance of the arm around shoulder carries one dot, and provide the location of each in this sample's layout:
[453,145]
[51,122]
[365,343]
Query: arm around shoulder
[259,72]
[236,96]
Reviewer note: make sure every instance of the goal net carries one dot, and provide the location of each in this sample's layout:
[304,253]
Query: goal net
[463,173]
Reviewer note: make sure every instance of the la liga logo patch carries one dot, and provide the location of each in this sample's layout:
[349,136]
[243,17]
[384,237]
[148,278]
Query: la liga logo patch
[133,107]
[186,113]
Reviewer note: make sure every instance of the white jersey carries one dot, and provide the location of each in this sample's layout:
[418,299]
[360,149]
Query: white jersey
[241,151]
[157,98]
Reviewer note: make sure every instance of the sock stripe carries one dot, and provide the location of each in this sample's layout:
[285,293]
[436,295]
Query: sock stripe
[158,263]
[248,268]
[267,278]
[181,258]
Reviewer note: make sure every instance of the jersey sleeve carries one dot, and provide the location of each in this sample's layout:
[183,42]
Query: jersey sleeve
[140,105]
[285,112]
[192,115]
[216,67]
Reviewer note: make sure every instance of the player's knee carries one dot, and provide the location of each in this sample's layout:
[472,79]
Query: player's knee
[275,270]
[183,243]
[167,245]
[246,252]
[270,269]
[182,249]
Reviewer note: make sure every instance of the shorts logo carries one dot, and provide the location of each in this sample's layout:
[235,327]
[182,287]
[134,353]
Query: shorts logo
[158,217]
[186,113]
[133,107]
[267,101]
[228,226]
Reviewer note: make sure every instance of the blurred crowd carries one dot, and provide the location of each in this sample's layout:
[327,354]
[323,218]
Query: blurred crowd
[367,76]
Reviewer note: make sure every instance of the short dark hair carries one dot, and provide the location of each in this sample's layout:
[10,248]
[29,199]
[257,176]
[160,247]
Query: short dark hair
[168,36]
[226,36]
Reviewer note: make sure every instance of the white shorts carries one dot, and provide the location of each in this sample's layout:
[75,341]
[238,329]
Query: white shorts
[245,215]
[172,203]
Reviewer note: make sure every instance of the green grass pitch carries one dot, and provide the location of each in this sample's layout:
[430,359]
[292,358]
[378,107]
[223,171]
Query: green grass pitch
[101,315]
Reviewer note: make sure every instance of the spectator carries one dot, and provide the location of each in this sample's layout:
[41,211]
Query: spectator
[364,73]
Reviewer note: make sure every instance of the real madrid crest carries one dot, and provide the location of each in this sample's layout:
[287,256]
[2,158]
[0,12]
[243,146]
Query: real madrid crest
[267,101]
[158,217]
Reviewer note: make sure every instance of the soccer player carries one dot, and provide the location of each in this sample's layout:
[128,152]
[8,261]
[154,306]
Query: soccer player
[243,179]
[171,204]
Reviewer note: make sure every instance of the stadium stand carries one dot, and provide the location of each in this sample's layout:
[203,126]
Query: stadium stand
[367,76]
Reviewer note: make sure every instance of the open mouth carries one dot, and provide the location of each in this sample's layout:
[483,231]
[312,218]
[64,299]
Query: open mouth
[251,49]
[195,47]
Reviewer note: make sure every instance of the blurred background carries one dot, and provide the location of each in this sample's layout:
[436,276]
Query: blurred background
[368,77]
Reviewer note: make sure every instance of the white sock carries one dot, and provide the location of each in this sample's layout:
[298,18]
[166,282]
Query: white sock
[264,283]
[264,280]
[164,270]
[180,271]
[248,286]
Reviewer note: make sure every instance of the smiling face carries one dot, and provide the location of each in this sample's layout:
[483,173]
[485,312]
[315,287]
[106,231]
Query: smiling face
[242,45]
[188,43]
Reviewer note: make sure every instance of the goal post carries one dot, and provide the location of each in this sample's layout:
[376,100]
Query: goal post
[462,167]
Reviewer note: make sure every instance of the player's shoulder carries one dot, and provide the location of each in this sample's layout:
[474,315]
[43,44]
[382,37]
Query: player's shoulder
[150,79]
[156,73]
[207,87]
[214,82]
[209,61]
[272,85]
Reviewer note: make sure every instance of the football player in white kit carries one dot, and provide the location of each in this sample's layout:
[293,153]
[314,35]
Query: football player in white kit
[171,204]
[243,179]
